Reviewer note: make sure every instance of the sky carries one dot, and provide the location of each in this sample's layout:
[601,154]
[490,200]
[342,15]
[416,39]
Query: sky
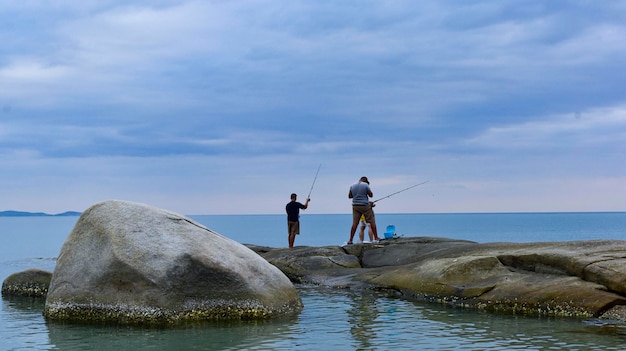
[227,107]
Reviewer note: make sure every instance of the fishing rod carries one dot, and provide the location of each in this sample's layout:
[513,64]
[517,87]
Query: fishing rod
[397,192]
[314,179]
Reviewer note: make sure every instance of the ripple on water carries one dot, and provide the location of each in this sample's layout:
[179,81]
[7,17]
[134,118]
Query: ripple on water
[331,319]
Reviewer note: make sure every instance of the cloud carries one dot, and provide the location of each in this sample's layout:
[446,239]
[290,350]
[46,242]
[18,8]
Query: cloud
[134,98]
[32,71]
[603,128]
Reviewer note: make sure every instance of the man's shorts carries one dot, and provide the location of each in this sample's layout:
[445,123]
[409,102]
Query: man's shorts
[293,227]
[362,210]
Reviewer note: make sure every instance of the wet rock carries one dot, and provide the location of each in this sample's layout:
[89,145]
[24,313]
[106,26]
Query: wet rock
[575,279]
[31,282]
[616,313]
[484,282]
[131,263]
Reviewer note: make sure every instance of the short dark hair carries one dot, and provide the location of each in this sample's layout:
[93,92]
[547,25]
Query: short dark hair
[293,195]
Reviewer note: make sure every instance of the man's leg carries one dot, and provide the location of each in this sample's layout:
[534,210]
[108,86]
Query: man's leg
[356,218]
[373,229]
[352,231]
[371,219]
[292,230]
[292,238]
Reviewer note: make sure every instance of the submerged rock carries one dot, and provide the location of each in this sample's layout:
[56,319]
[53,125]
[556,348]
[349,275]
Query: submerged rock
[31,282]
[131,263]
[577,278]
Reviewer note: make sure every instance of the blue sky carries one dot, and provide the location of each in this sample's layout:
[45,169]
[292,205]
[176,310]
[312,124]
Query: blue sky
[220,107]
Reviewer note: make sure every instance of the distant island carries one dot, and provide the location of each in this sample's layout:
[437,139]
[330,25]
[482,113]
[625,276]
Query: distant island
[37,214]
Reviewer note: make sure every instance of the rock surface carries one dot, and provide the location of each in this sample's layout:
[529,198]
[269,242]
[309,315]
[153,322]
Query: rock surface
[131,263]
[31,282]
[577,278]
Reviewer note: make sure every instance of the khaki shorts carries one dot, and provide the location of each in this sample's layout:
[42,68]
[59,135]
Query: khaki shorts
[293,227]
[363,210]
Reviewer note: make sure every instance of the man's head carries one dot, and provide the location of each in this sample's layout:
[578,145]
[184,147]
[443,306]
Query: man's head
[294,196]
[364,180]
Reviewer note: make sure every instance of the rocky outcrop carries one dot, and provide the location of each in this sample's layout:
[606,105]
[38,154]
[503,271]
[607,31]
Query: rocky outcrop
[31,282]
[578,278]
[130,263]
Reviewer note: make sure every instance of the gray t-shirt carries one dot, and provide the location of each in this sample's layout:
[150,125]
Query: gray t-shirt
[359,193]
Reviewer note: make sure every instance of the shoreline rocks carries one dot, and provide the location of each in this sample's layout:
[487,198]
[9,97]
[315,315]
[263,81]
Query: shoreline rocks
[129,263]
[30,283]
[580,279]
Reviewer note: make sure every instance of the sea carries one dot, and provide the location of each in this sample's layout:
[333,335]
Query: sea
[332,319]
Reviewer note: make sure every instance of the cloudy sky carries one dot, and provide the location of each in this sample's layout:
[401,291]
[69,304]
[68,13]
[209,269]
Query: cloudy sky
[226,107]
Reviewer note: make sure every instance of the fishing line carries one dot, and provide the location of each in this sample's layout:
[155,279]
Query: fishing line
[397,192]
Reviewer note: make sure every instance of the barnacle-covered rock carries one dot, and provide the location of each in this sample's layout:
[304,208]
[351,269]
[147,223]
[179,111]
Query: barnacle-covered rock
[31,282]
[131,263]
[569,279]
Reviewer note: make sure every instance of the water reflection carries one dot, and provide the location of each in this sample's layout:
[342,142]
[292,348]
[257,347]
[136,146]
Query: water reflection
[21,323]
[378,321]
[331,319]
[440,327]
[362,317]
[234,335]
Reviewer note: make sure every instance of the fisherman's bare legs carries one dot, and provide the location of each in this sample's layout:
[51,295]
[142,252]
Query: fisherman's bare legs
[373,230]
[353,230]
[362,232]
[292,239]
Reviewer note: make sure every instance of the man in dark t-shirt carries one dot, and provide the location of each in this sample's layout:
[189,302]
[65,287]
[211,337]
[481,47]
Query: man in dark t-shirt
[293,217]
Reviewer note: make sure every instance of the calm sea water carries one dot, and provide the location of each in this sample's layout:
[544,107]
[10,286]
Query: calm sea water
[331,319]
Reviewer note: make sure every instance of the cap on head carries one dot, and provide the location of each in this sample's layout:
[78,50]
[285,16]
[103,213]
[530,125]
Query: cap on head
[364,179]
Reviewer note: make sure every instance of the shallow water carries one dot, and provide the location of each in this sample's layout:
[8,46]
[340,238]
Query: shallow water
[331,320]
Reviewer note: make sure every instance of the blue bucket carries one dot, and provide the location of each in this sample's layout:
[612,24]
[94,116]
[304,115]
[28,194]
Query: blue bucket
[390,232]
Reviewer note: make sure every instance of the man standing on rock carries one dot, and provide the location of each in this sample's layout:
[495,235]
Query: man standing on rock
[293,217]
[362,206]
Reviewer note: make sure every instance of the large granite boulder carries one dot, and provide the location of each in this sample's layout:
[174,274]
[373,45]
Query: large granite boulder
[577,278]
[131,263]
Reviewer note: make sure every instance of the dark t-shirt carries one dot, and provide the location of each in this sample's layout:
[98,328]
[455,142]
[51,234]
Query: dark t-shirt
[293,211]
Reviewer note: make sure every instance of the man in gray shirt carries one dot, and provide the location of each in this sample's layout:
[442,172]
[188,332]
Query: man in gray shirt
[362,206]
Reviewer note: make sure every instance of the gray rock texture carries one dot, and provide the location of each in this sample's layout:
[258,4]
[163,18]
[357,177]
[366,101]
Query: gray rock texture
[31,282]
[131,263]
[578,278]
